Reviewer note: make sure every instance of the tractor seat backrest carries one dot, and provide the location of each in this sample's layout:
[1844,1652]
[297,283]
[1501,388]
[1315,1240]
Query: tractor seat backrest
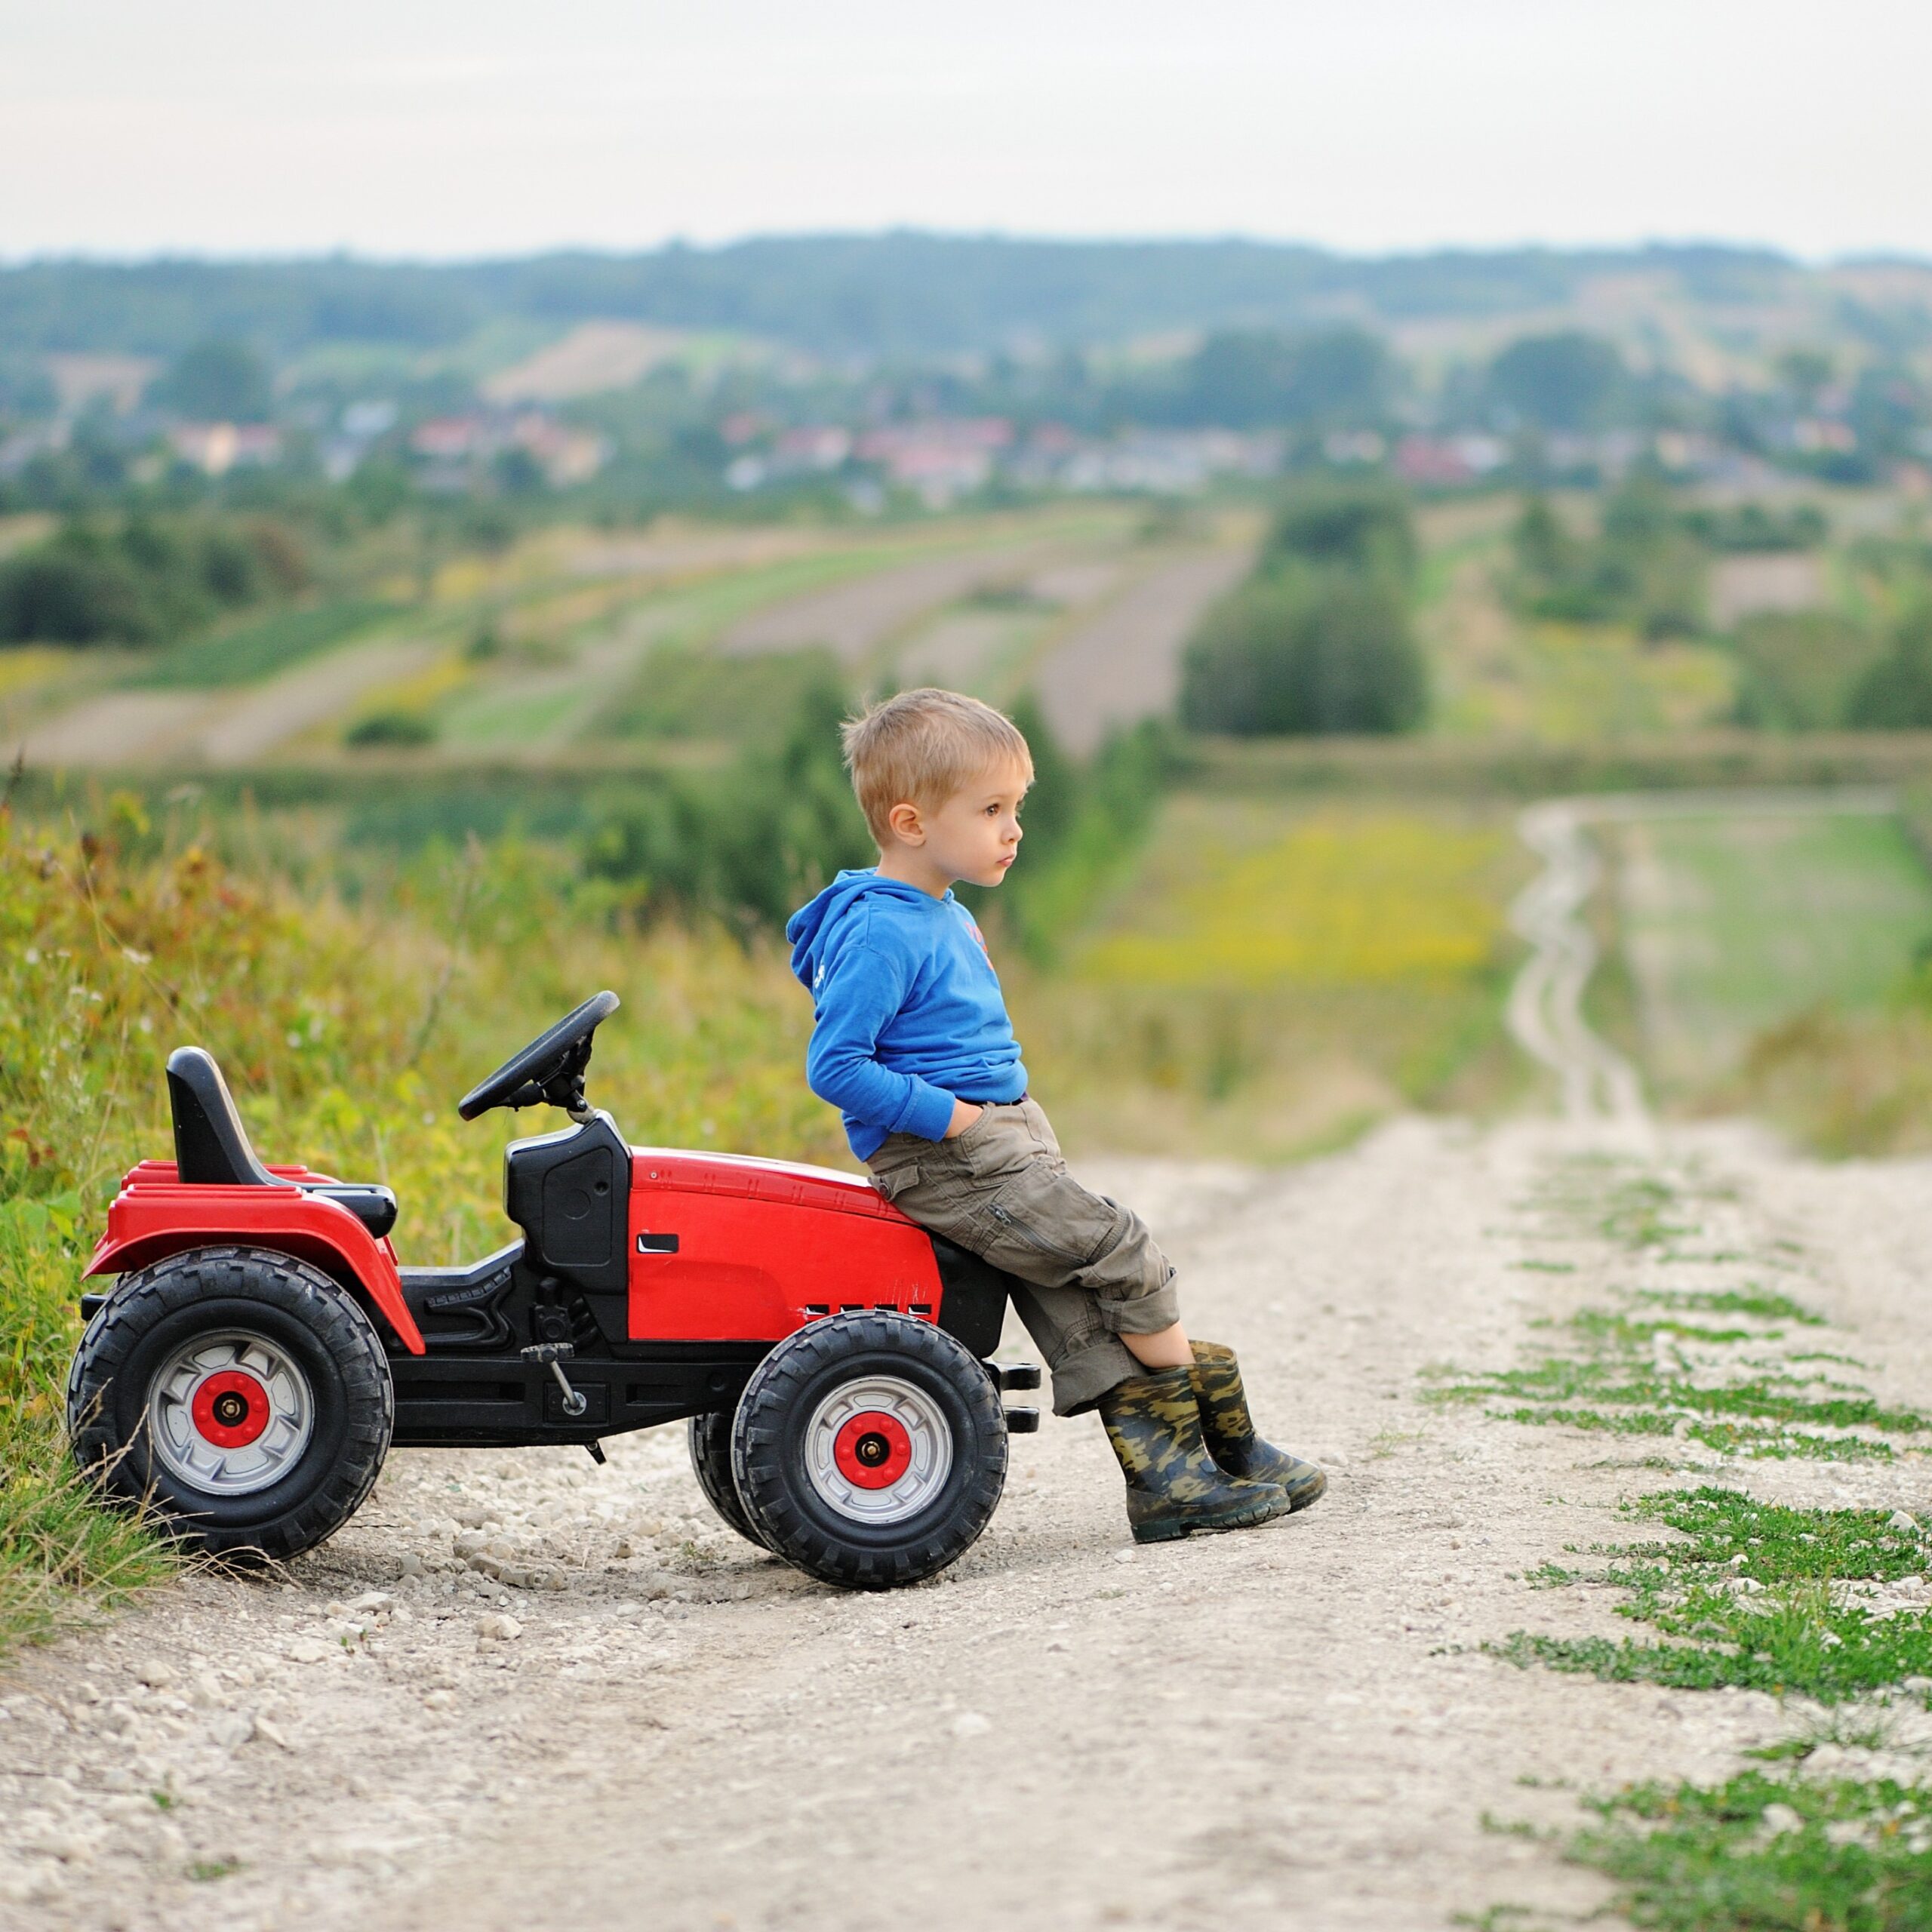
[210,1146]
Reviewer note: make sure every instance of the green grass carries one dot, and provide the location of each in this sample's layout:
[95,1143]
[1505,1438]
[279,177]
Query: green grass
[61,1558]
[1760,1853]
[1752,1594]
[1730,925]
[259,649]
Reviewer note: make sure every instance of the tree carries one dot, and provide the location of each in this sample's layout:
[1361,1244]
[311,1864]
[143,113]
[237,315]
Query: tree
[1361,526]
[1250,378]
[216,382]
[1305,652]
[1566,381]
[66,595]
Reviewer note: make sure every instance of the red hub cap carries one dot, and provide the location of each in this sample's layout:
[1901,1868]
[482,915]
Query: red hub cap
[231,1409]
[872,1450]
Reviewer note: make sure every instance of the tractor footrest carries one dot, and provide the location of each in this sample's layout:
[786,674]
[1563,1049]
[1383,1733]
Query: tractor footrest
[1015,1375]
[90,1306]
[1023,1421]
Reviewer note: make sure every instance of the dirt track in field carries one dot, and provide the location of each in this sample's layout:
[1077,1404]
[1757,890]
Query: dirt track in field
[1290,1726]
[1123,664]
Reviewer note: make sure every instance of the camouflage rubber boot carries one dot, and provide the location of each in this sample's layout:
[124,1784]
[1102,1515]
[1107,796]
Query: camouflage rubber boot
[1229,1432]
[1173,1487]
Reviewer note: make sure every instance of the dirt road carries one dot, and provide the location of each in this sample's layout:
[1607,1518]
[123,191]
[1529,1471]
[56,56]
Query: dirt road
[1291,1726]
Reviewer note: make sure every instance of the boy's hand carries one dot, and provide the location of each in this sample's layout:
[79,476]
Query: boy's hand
[964,1113]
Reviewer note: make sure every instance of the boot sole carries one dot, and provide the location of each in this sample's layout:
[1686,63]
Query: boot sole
[1247,1517]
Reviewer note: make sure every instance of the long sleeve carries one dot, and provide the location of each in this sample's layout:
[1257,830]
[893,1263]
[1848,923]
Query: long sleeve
[859,992]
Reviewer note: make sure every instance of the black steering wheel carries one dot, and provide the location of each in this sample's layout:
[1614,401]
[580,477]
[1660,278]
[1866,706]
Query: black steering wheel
[550,1068]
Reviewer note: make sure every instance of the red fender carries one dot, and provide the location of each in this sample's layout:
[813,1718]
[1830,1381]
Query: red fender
[157,1214]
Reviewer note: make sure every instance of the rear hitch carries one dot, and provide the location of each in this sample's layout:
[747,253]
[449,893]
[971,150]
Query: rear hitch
[553,1355]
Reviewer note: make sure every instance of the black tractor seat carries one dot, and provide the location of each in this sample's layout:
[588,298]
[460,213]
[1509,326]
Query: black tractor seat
[212,1149]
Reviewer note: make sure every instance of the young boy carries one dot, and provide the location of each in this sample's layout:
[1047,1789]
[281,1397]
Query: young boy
[913,1044]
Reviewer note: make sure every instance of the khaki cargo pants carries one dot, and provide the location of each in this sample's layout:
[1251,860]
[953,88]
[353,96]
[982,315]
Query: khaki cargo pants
[1090,1270]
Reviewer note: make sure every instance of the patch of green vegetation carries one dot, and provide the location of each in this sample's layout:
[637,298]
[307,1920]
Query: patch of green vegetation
[1759,1854]
[59,1557]
[1615,1380]
[393,729]
[260,650]
[687,692]
[1755,1593]
[1750,1300]
[1629,1373]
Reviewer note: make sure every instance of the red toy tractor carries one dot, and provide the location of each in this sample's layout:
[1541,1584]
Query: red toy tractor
[262,1348]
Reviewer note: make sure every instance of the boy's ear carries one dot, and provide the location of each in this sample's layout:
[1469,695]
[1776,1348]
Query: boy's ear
[904,820]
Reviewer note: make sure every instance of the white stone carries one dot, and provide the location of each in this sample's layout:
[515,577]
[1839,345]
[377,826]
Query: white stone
[971,1723]
[231,1730]
[501,1629]
[271,1733]
[156,1675]
[1900,1519]
[308,1650]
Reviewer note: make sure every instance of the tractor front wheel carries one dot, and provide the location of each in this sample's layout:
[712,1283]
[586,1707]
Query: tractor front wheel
[240,1392]
[869,1450]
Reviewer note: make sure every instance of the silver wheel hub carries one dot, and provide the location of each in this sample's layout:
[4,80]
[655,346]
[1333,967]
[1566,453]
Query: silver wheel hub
[878,1450]
[230,1413]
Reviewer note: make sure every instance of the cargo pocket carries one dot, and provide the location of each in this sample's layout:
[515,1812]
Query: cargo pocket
[1047,1225]
[895,1181]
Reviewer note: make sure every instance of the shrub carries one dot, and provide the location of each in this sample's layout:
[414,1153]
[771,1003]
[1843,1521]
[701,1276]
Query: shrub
[750,843]
[1303,653]
[390,728]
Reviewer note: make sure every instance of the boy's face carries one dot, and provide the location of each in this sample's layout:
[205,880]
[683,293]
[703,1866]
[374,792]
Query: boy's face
[975,835]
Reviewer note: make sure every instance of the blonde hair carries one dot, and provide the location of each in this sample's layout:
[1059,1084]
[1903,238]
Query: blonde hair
[922,746]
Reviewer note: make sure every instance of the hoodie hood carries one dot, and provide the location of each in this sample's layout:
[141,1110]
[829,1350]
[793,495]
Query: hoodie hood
[811,926]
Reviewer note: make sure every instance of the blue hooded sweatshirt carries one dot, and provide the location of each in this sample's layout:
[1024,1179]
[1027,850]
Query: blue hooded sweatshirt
[908,1009]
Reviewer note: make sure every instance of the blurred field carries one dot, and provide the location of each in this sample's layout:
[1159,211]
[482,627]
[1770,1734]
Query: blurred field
[1277,977]
[1733,925]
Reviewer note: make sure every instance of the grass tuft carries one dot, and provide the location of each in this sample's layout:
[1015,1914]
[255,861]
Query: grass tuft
[1759,1854]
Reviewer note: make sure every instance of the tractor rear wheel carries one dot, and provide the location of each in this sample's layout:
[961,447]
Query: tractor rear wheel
[710,1459]
[869,1449]
[241,1393]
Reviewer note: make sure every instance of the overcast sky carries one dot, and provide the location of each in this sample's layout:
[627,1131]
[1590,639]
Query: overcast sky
[460,127]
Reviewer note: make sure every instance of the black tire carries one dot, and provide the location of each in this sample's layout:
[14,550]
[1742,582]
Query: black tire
[711,1461]
[308,1375]
[798,1468]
